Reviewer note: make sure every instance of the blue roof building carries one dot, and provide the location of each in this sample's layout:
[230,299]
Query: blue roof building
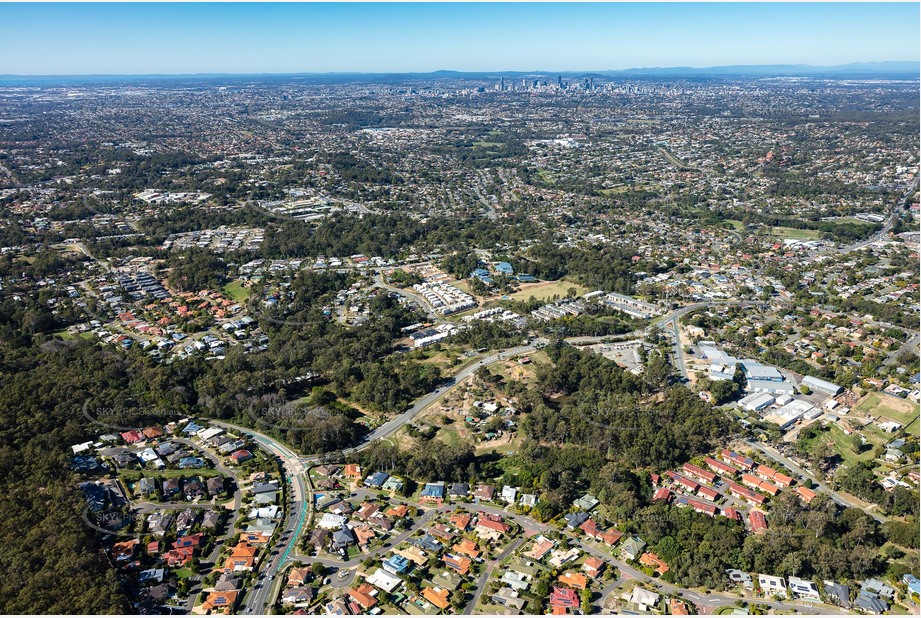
[192,428]
[433,490]
[482,274]
[912,582]
[397,565]
[504,268]
[191,462]
[377,479]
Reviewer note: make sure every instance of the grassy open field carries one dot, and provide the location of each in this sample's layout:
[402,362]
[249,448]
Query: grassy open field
[843,447]
[449,434]
[503,448]
[735,223]
[794,234]
[461,285]
[880,404]
[545,290]
[66,336]
[622,189]
[236,292]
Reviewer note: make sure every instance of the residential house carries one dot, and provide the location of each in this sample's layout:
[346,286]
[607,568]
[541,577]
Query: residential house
[563,597]
[490,527]
[215,485]
[652,560]
[542,547]
[397,565]
[803,588]
[678,608]
[758,522]
[632,548]
[574,520]
[644,599]
[574,580]
[484,492]
[593,566]
[413,554]
[741,578]
[343,538]
[364,596]
[124,551]
[458,563]
[377,480]
[461,521]
[870,603]
[516,580]
[448,580]
[392,484]
[241,456]
[559,557]
[468,548]
[879,587]
[300,596]
[839,594]
[299,577]
[383,580]
[242,558]
[433,492]
[508,597]
[219,602]
[771,585]
[586,503]
[367,510]
[399,511]
[437,597]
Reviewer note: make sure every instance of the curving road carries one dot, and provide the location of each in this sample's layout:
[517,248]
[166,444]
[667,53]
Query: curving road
[893,215]
[301,505]
[840,499]
[670,323]
[393,425]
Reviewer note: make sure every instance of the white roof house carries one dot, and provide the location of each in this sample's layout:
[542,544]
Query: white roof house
[803,588]
[644,597]
[771,585]
[331,521]
[384,580]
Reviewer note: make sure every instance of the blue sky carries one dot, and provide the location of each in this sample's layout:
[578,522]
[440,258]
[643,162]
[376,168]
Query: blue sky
[79,38]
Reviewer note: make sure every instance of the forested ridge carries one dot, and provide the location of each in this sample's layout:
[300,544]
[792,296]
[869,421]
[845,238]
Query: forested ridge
[50,560]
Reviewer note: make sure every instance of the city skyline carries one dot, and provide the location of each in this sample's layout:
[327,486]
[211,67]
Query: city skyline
[134,39]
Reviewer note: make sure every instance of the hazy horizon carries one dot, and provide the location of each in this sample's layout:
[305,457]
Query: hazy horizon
[211,38]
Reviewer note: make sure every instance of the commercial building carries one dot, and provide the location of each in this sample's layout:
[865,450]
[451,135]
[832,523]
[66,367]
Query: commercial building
[821,386]
[755,402]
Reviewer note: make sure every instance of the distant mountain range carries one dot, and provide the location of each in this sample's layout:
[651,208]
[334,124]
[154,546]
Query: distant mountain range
[857,70]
